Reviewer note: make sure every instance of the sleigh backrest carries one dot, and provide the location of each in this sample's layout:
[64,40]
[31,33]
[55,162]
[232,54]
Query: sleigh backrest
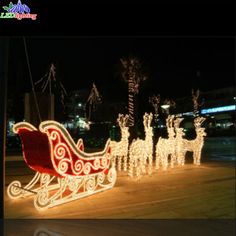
[52,150]
[36,149]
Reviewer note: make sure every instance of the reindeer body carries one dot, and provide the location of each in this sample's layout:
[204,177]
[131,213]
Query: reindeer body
[196,144]
[166,147]
[120,149]
[142,150]
[179,146]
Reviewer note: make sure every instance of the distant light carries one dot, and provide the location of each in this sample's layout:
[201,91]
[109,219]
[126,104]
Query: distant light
[165,106]
[77,116]
[234,98]
[218,109]
[188,113]
[80,105]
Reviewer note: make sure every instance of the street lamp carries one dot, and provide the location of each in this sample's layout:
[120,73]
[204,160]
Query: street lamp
[166,108]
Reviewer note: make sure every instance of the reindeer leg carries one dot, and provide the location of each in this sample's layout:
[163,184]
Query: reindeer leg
[150,165]
[157,160]
[131,166]
[125,162]
[119,163]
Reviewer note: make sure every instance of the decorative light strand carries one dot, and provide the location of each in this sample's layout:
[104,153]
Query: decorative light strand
[142,150]
[120,149]
[196,144]
[81,174]
[166,147]
[133,74]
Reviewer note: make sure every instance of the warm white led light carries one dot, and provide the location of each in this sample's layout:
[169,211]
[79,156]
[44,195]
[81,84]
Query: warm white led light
[82,174]
[196,144]
[141,151]
[120,149]
[179,144]
[166,147]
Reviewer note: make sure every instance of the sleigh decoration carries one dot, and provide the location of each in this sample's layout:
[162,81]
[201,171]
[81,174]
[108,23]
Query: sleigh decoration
[64,171]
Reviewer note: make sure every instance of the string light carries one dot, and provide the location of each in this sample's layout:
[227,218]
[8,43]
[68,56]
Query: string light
[120,149]
[142,150]
[133,74]
[166,147]
[79,174]
[176,146]
[179,152]
[196,144]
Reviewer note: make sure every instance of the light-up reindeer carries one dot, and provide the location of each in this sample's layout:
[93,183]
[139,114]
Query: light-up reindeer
[142,150]
[179,150]
[166,147]
[196,144]
[120,149]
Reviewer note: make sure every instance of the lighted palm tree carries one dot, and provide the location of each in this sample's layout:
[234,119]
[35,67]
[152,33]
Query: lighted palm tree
[93,99]
[133,74]
[196,103]
[155,101]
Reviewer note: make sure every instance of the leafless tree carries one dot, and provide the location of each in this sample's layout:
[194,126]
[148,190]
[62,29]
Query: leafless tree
[93,100]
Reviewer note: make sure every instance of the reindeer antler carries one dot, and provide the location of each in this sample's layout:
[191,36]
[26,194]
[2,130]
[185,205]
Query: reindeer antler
[198,121]
[119,119]
[169,121]
[126,119]
[147,119]
[122,120]
[177,122]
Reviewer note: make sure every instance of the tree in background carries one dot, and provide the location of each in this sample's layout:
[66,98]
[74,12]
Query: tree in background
[133,74]
[155,101]
[196,103]
[93,100]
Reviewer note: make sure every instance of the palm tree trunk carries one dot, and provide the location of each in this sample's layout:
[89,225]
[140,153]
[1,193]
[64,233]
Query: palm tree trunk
[131,102]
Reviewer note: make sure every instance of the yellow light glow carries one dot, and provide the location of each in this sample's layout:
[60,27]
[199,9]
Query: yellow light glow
[196,144]
[120,149]
[176,146]
[179,152]
[141,151]
[166,147]
[92,172]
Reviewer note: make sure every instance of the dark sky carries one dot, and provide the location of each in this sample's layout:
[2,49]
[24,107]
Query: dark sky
[174,64]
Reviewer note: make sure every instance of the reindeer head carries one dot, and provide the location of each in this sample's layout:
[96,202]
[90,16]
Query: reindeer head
[177,122]
[198,121]
[201,132]
[147,119]
[122,120]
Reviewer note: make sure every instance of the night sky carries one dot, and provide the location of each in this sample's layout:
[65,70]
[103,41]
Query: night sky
[174,65]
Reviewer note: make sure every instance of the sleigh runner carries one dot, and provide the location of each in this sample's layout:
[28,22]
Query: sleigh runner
[64,172]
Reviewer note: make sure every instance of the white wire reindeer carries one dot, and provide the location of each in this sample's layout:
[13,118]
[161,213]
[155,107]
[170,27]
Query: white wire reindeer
[196,144]
[179,150]
[166,147]
[142,150]
[120,149]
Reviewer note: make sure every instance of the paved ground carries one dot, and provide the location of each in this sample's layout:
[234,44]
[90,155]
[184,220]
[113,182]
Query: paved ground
[188,192]
[187,200]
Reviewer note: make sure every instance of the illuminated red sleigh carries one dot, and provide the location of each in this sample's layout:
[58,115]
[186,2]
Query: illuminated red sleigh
[64,172]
